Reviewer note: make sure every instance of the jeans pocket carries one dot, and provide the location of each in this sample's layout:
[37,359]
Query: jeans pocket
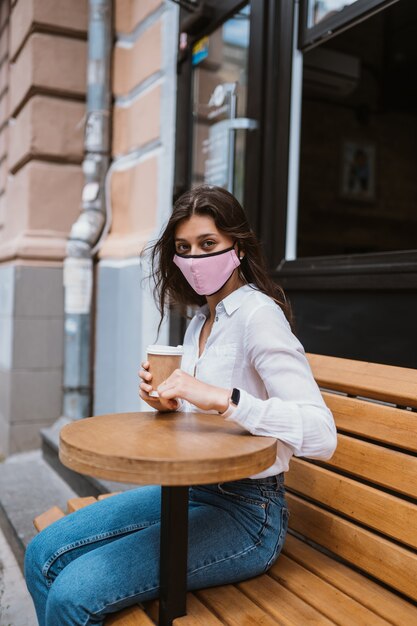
[242,493]
[284,517]
[273,490]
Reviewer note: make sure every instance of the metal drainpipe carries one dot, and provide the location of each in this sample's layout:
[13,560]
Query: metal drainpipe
[85,233]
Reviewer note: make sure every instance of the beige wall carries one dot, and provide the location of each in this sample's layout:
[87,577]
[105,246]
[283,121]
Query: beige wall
[141,181]
[43,49]
[43,45]
[4,104]
[42,91]
[41,126]
[137,65]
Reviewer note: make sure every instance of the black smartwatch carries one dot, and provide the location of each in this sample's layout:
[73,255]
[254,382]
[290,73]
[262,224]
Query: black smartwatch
[233,402]
[235,397]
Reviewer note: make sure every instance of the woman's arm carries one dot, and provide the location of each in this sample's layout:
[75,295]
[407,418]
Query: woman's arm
[295,412]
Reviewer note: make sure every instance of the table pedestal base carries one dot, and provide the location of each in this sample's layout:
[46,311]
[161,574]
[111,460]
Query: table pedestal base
[173,554]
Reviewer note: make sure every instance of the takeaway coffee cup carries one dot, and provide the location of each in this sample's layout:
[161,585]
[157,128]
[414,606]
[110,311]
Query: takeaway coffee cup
[163,360]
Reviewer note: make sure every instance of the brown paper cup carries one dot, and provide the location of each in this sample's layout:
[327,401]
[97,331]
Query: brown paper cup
[163,360]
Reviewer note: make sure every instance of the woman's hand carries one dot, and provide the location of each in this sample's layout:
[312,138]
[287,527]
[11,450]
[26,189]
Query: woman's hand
[204,396]
[159,404]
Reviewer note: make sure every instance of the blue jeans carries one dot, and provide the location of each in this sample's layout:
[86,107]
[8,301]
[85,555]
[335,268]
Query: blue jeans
[105,557]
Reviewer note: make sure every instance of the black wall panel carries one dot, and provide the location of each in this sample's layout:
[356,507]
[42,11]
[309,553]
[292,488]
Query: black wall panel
[378,326]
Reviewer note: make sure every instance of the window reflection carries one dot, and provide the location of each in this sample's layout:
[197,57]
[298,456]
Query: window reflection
[319,10]
[358,159]
[219,93]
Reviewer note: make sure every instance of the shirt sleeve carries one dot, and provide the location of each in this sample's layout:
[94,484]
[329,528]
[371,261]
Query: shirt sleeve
[295,412]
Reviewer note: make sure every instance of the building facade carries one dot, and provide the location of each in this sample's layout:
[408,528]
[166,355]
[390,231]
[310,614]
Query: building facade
[43,68]
[43,79]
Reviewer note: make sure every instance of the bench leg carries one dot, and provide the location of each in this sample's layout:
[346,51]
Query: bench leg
[173,554]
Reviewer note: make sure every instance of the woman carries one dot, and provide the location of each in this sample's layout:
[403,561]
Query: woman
[241,360]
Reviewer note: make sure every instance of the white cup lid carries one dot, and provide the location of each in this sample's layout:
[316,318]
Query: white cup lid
[166,350]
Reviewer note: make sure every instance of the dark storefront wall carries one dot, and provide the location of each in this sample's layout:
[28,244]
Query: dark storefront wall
[350,297]
[353,284]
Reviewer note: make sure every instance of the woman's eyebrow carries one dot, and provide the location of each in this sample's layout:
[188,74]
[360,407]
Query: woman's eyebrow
[199,236]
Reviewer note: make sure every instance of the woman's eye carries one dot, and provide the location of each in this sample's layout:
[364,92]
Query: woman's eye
[182,248]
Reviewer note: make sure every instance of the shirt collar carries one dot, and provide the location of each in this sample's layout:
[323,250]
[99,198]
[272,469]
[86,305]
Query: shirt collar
[231,302]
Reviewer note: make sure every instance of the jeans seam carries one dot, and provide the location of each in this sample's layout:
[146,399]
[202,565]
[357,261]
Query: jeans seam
[238,496]
[88,540]
[109,604]
[281,536]
[238,554]
[225,558]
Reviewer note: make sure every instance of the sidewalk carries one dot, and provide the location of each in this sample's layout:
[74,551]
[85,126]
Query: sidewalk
[16,608]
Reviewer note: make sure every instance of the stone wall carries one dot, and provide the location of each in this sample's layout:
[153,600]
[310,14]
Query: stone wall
[43,51]
[43,46]
[144,87]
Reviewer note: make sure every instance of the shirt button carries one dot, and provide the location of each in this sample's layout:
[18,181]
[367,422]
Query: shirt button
[217,318]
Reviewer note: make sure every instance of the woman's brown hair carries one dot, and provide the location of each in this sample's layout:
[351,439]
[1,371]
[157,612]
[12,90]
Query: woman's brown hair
[171,288]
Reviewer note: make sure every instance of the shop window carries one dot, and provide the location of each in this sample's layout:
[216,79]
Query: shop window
[321,19]
[358,153]
[220,71]
[319,10]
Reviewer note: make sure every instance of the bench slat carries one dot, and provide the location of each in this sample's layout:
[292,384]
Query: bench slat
[233,607]
[132,616]
[388,468]
[387,424]
[48,517]
[388,514]
[336,605]
[103,496]
[286,607]
[75,504]
[197,614]
[370,380]
[390,563]
[378,599]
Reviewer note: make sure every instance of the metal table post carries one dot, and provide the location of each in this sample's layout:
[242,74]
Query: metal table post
[173,554]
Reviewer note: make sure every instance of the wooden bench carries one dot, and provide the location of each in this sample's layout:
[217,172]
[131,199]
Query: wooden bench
[350,556]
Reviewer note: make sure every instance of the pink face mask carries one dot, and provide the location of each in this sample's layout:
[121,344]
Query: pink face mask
[207,273]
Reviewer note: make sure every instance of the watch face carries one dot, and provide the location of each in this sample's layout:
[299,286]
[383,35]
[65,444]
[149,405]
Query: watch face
[235,396]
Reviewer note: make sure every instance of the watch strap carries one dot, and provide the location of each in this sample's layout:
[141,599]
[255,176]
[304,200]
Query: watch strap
[233,402]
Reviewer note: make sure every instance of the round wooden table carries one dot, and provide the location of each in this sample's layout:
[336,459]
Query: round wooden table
[174,450]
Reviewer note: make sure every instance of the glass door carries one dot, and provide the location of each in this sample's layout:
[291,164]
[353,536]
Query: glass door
[219,105]
[220,100]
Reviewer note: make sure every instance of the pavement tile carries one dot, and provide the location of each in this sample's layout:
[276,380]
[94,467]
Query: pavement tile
[16,607]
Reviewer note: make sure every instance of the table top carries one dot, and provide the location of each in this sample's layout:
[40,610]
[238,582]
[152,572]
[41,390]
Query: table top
[179,448]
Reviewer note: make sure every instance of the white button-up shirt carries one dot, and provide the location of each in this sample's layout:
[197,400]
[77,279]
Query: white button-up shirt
[251,347]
